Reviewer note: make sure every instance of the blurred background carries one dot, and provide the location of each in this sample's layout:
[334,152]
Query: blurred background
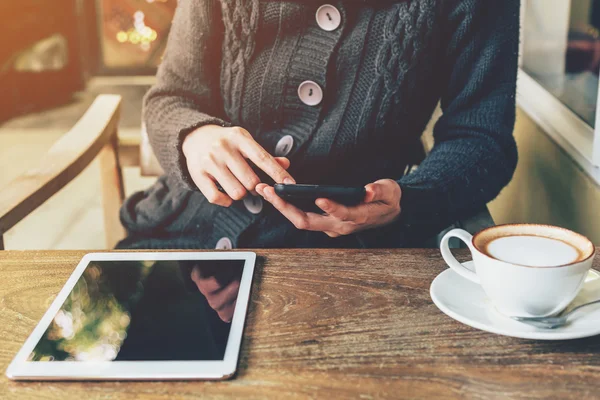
[56,56]
[52,49]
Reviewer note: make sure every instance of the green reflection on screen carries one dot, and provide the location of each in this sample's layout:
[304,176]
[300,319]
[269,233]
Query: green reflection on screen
[92,323]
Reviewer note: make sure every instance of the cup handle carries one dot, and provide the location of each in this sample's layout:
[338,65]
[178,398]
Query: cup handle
[449,257]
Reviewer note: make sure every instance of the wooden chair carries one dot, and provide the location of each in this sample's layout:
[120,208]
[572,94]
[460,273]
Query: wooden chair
[95,135]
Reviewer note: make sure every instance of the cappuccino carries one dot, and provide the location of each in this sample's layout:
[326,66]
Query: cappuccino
[532,251]
[527,270]
[533,245]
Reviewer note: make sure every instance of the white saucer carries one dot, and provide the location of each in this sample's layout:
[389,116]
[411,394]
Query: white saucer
[466,302]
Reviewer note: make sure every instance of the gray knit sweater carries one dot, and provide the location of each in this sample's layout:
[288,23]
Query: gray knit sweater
[382,72]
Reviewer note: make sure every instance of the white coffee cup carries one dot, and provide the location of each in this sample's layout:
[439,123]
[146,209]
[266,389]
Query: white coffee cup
[526,270]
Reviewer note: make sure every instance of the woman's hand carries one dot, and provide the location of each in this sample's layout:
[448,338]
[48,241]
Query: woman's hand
[217,155]
[380,207]
[221,296]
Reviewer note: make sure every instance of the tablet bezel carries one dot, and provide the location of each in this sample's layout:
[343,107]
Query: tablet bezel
[21,369]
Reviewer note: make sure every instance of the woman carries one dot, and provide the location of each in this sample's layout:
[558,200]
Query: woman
[334,93]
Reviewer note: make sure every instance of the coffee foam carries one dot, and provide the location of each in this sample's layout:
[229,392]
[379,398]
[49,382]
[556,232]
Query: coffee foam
[583,247]
[533,251]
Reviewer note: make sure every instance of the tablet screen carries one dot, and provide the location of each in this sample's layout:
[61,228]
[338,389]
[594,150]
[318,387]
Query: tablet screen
[145,311]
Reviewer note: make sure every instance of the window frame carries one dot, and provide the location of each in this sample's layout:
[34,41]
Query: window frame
[575,136]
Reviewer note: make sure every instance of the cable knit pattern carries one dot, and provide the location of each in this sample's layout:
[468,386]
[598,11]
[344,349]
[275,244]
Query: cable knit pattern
[382,71]
[240,18]
[407,34]
[413,22]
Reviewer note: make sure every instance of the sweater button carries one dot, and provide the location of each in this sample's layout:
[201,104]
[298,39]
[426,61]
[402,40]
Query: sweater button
[224,244]
[328,17]
[253,204]
[310,93]
[284,146]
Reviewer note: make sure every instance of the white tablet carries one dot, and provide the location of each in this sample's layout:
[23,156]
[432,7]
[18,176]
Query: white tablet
[143,316]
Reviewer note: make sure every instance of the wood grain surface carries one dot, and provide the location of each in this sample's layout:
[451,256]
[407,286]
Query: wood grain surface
[325,324]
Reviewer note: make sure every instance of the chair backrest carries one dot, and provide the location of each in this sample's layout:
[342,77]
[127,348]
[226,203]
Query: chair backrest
[94,136]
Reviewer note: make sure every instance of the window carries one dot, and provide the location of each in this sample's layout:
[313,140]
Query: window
[560,62]
[40,65]
[133,33]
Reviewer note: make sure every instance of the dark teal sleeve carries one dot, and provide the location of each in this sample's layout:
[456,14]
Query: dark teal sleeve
[474,155]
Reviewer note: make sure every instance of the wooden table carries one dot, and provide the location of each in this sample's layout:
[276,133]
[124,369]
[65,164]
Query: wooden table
[326,324]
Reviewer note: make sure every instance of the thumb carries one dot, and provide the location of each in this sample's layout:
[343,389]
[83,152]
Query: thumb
[383,190]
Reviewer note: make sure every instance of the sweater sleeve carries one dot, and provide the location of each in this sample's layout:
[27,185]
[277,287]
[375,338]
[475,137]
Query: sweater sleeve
[186,95]
[474,155]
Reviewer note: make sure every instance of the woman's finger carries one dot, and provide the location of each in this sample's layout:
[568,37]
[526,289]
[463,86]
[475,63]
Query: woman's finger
[209,189]
[226,313]
[295,215]
[228,182]
[263,160]
[225,297]
[283,161]
[352,219]
[328,224]
[223,300]
[206,285]
[385,190]
[242,171]
[339,211]
[300,219]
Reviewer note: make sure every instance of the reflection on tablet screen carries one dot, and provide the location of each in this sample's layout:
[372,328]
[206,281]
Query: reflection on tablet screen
[145,311]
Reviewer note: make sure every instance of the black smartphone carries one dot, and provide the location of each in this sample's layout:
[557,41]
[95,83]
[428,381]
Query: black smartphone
[304,196]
